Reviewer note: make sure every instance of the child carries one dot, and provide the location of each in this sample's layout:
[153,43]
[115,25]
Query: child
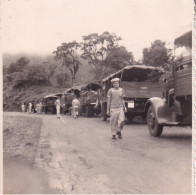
[75,107]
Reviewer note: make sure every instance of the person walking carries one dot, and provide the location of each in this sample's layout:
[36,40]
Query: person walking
[30,108]
[40,107]
[37,108]
[23,107]
[58,107]
[75,107]
[116,108]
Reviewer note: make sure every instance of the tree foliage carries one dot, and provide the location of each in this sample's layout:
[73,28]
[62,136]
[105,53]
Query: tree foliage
[157,55]
[37,76]
[67,54]
[104,53]
[19,65]
[63,79]
[119,57]
[96,48]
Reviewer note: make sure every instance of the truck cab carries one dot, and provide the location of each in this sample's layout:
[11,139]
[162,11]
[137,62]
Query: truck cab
[140,82]
[175,107]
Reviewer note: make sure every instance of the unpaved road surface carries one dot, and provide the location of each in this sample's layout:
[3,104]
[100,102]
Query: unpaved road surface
[80,157]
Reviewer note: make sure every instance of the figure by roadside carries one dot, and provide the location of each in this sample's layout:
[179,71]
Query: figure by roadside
[58,107]
[30,108]
[37,108]
[33,108]
[75,107]
[116,108]
[40,107]
[23,107]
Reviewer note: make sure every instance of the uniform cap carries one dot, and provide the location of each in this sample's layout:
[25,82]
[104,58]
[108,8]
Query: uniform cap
[115,80]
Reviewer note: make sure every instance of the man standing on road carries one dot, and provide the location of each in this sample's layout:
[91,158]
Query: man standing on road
[58,107]
[116,108]
[23,107]
[75,107]
[30,108]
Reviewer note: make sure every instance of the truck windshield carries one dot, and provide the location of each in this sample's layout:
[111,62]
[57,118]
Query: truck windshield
[141,75]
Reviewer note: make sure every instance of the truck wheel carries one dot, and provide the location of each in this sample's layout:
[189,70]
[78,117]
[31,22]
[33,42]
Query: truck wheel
[70,111]
[154,128]
[104,111]
[89,111]
[53,110]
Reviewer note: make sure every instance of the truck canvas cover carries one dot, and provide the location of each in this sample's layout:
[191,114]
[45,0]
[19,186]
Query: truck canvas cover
[140,81]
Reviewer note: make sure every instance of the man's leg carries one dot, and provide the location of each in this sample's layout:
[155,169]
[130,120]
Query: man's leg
[113,122]
[58,111]
[74,112]
[121,118]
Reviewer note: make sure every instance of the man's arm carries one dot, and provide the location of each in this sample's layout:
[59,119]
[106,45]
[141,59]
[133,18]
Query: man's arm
[108,102]
[123,101]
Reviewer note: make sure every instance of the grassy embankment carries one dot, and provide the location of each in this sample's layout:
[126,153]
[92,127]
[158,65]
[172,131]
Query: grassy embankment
[20,141]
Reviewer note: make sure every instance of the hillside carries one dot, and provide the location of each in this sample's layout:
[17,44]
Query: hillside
[18,87]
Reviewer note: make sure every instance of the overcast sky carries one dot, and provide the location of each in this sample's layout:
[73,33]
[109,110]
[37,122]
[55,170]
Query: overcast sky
[39,26]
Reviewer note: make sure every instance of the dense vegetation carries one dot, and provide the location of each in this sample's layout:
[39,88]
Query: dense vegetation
[29,77]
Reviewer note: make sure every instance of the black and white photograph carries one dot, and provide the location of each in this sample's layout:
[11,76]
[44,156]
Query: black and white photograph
[97,96]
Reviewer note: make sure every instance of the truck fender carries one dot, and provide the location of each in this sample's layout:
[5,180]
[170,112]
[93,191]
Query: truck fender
[163,113]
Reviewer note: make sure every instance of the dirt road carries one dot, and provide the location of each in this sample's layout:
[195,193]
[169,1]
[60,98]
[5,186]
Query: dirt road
[80,157]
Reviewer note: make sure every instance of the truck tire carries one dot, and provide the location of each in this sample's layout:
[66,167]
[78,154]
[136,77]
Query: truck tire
[104,111]
[154,128]
[89,111]
[54,110]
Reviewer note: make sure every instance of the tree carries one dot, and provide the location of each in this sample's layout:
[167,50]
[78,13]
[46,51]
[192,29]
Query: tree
[96,48]
[104,53]
[67,54]
[19,65]
[36,75]
[157,55]
[63,80]
[118,58]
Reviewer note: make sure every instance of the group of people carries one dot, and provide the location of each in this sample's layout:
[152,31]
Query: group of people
[30,108]
[115,108]
[75,107]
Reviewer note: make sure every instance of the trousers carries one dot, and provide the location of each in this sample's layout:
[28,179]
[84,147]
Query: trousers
[117,118]
[75,111]
[58,110]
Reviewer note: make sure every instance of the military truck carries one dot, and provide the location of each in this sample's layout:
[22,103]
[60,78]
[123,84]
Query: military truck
[175,107]
[67,97]
[49,103]
[87,95]
[89,99]
[140,82]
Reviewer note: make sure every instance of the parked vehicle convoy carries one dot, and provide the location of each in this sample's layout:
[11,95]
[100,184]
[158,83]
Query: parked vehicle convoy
[49,103]
[175,108]
[140,82]
[89,99]
[68,96]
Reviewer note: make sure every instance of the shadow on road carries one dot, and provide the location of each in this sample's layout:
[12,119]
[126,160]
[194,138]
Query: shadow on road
[178,137]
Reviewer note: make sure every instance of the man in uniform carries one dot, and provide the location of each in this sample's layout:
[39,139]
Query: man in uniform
[58,107]
[75,107]
[116,108]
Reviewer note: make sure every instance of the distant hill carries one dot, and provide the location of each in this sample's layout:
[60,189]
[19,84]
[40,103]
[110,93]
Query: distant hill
[34,58]
[13,97]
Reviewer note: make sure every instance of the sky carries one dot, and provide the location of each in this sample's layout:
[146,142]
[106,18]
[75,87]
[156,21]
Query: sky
[40,26]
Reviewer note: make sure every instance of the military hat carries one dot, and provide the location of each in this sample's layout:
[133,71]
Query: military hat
[115,80]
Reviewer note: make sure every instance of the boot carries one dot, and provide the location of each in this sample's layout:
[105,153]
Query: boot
[113,137]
